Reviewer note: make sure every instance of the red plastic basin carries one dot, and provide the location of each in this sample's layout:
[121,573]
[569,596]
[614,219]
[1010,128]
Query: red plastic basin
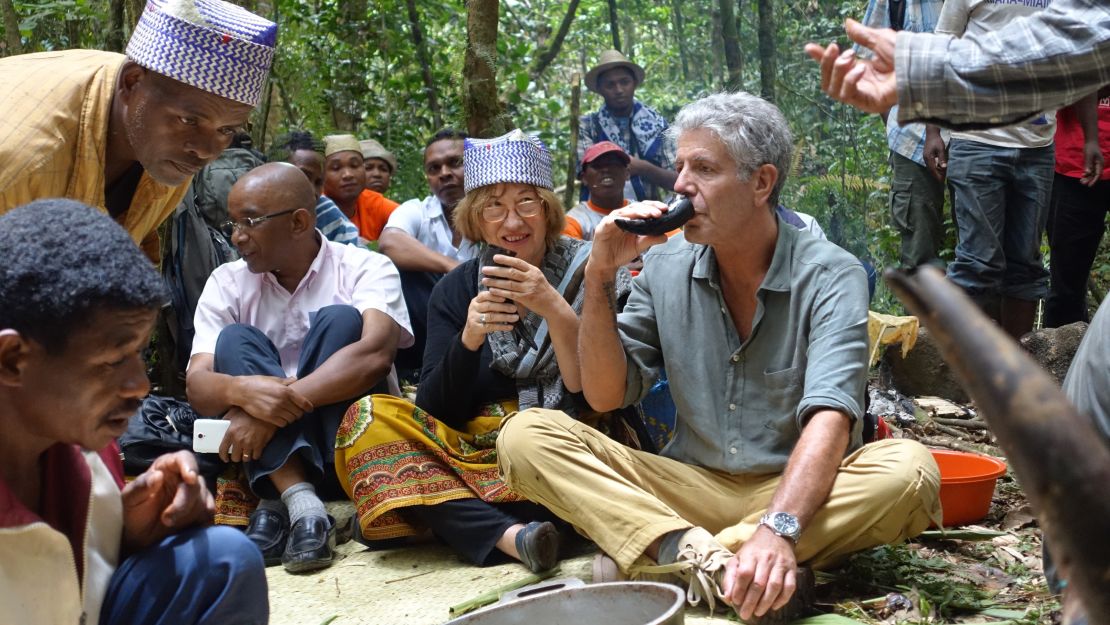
[966,485]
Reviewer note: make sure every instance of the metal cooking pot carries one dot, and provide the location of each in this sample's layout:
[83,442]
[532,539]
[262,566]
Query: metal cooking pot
[565,601]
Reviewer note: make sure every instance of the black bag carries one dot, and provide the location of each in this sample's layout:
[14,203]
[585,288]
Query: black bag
[163,425]
[194,246]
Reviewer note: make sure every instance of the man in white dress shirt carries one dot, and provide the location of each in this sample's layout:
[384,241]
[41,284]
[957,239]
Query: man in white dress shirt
[287,337]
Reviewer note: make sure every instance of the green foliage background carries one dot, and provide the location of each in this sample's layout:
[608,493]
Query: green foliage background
[352,65]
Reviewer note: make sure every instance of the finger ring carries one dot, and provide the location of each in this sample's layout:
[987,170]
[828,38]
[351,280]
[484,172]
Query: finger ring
[482,318]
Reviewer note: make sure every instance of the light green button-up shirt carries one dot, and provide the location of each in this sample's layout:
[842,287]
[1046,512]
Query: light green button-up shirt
[741,406]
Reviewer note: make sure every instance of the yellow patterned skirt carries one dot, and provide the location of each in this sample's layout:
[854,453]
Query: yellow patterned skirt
[390,454]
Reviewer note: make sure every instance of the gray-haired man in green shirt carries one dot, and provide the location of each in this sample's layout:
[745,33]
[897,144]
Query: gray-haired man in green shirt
[763,331]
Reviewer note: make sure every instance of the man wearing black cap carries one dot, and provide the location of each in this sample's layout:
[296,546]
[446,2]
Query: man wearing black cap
[638,129]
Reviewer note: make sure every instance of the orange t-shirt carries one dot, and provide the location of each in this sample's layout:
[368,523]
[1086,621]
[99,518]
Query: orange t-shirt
[372,213]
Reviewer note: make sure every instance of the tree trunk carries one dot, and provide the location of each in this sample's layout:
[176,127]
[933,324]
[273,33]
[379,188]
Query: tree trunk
[545,58]
[717,46]
[134,12]
[767,49]
[732,45]
[268,100]
[13,42]
[614,29]
[680,36]
[115,39]
[425,63]
[570,197]
[484,117]
[740,38]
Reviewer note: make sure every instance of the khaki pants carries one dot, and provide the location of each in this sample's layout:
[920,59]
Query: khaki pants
[624,499]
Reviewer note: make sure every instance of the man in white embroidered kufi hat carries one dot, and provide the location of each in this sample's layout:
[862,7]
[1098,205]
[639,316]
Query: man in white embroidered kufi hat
[126,133]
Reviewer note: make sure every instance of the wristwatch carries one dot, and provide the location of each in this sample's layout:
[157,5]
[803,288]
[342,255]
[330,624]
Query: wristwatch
[783,524]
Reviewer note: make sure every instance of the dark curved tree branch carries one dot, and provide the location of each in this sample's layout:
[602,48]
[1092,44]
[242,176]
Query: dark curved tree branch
[544,59]
[425,63]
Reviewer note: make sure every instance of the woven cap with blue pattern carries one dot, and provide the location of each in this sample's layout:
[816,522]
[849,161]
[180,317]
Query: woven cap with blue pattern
[512,157]
[208,44]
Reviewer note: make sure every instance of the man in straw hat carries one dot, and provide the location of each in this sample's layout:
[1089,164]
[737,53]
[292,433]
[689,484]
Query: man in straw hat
[380,165]
[126,133]
[345,184]
[637,128]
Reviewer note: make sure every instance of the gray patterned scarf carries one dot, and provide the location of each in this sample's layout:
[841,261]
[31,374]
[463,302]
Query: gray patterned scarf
[536,370]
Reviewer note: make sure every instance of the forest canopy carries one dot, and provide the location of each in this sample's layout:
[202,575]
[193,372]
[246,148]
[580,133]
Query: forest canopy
[397,70]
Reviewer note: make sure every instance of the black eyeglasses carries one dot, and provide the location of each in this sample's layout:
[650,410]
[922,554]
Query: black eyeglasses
[228,228]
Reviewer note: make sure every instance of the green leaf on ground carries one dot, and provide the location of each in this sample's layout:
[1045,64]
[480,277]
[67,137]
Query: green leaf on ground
[960,534]
[828,619]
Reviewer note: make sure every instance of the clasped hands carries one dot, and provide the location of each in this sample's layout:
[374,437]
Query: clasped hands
[264,404]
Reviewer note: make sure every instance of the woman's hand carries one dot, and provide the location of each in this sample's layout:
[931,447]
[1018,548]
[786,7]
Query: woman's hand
[518,280]
[487,313]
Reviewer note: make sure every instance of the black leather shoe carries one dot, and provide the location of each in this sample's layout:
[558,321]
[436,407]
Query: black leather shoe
[311,545]
[538,546]
[269,530]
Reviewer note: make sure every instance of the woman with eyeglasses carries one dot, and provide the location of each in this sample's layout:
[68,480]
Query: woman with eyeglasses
[502,336]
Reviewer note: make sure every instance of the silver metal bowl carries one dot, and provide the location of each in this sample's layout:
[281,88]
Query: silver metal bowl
[616,603]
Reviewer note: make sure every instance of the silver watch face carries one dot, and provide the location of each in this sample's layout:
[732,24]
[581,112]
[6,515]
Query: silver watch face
[786,524]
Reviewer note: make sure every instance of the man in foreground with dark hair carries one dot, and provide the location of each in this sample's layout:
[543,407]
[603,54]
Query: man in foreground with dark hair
[287,338]
[637,128]
[77,305]
[126,133]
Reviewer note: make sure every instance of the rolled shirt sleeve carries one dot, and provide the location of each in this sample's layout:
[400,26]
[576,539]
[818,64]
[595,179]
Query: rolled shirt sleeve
[1035,63]
[216,309]
[836,360]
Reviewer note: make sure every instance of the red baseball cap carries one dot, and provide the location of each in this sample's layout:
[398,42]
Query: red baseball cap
[598,149]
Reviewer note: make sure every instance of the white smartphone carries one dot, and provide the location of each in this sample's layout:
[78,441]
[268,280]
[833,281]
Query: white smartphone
[208,434]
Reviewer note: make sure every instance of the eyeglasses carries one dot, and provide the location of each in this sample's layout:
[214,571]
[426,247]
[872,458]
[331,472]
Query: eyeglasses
[528,207]
[228,228]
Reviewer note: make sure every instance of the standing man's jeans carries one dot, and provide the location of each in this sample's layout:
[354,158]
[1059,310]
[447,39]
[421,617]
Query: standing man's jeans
[1000,197]
[244,350]
[1076,221]
[917,209]
[201,576]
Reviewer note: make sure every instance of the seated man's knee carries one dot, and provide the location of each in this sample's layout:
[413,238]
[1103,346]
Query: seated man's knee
[904,465]
[340,318]
[234,336]
[227,544]
[521,442]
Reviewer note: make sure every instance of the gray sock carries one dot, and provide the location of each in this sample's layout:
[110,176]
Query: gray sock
[274,505]
[668,547]
[301,500]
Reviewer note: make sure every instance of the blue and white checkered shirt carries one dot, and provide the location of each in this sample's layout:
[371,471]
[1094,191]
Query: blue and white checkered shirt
[921,17]
[1036,63]
[334,224]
